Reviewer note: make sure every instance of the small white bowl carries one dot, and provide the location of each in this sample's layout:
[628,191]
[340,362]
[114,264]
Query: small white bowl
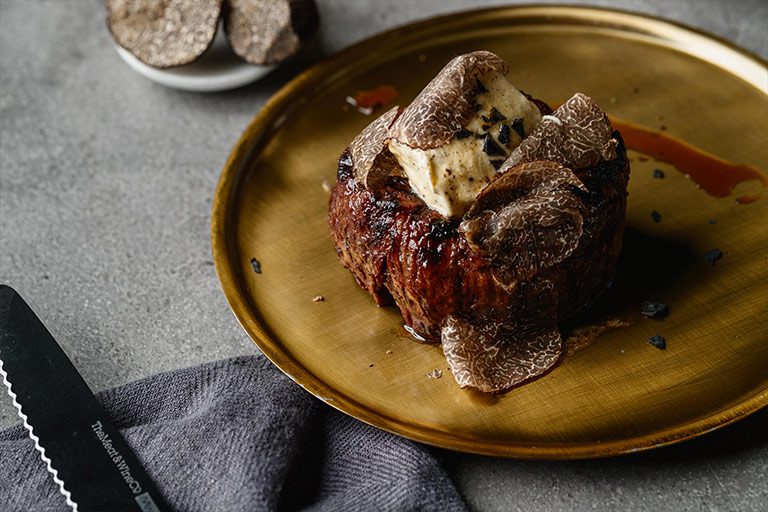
[219,69]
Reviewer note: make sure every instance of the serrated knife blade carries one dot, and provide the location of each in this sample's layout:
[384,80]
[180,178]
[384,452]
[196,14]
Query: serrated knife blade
[87,457]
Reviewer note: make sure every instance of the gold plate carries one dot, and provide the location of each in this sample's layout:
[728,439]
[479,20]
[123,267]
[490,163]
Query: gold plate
[619,394]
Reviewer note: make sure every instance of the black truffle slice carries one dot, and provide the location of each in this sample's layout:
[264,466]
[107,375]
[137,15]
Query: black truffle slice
[269,31]
[371,159]
[533,205]
[577,135]
[445,105]
[164,33]
[494,357]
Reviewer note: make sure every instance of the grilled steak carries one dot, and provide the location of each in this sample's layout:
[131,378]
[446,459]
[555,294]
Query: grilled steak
[539,244]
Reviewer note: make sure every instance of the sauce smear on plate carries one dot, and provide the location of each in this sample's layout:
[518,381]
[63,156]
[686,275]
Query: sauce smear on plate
[716,176]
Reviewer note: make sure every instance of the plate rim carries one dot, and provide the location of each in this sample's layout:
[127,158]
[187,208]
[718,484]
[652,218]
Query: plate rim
[224,253]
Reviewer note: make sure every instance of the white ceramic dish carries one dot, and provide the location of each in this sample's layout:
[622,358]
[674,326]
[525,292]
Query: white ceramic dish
[219,69]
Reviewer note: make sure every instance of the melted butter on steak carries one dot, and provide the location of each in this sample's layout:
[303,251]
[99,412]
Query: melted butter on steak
[451,139]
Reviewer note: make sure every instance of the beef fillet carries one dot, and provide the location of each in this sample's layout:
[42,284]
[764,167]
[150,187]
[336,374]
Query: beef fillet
[539,244]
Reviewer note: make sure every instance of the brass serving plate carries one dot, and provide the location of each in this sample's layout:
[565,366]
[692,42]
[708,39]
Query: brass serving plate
[617,395]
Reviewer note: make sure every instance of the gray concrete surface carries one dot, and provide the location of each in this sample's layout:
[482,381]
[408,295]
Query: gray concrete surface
[105,190]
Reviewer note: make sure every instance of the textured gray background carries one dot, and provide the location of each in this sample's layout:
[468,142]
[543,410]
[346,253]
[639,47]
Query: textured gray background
[105,194]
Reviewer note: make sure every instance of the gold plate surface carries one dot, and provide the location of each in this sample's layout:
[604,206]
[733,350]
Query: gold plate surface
[618,395]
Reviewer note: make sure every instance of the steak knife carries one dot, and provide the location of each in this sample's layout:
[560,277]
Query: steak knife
[87,457]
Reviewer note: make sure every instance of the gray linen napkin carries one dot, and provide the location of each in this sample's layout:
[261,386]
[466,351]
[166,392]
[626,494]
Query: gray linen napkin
[238,435]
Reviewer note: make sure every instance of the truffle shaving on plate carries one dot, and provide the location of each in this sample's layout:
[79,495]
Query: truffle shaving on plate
[486,217]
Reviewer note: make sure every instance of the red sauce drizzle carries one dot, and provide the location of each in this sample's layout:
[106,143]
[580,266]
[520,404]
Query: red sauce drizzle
[378,97]
[748,198]
[713,174]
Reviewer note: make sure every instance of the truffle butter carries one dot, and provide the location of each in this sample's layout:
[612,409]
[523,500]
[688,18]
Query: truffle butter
[448,178]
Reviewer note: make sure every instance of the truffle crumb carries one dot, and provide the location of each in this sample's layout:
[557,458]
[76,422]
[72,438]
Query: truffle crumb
[490,147]
[654,309]
[658,174]
[504,134]
[318,298]
[496,165]
[434,374]
[463,133]
[389,351]
[658,341]
[494,117]
[656,216]
[519,127]
[256,265]
[370,365]
[712,256]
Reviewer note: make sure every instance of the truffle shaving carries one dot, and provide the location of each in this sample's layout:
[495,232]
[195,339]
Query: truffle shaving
[533,207]
[445,105]
[577,135]
[494,357]
[372,161]
[269,31]
[164,33]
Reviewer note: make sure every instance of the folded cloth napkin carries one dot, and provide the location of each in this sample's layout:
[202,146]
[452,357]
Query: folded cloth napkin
[238,435]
